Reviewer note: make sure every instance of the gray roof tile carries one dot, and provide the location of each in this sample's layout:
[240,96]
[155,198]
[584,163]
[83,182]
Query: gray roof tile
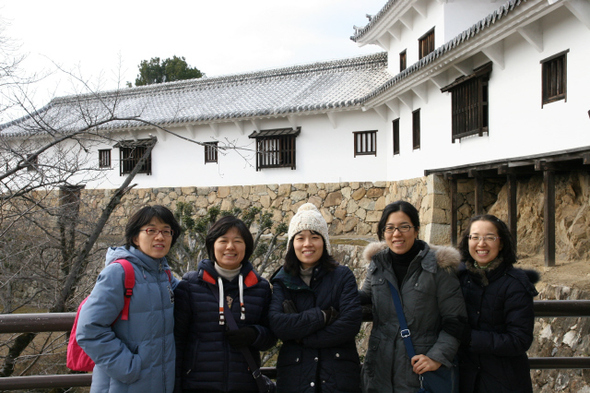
[314,87]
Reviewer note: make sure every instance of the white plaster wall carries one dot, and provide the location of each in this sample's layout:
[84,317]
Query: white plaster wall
[459,15]
[518,125]
[324,154]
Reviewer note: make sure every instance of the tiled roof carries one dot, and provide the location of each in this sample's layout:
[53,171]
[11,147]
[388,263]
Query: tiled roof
[359,32]
[306,88]
[447,47]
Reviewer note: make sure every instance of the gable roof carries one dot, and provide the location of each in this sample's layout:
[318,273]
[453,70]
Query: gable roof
[317,87]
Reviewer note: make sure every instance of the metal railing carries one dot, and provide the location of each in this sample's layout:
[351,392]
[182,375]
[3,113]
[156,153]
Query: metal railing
[55,322]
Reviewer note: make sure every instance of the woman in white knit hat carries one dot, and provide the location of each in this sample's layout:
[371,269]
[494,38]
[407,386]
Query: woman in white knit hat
[315,311]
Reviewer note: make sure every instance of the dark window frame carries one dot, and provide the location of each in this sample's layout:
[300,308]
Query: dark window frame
[104,158]
[365,143]
[130,152]
[210,150]
[395,129]
[426,44]
[470,103]
[276,148]
[32,163]
[403,60]
[554,78]
[416,127]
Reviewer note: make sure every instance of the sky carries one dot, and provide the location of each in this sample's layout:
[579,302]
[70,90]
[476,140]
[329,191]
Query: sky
[102,43]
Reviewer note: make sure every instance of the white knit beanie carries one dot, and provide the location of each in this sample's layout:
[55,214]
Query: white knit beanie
[309,218]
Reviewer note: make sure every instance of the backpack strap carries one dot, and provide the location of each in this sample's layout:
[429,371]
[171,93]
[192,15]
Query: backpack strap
[129,283]
[169,274]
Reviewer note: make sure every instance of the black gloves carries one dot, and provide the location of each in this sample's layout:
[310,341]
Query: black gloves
[330,315]
[243,337]
[289,307]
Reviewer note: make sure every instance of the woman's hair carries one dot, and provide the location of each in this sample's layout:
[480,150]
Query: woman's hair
[507,252]
[397,206]
[292,263]
[143,217]
[221,227]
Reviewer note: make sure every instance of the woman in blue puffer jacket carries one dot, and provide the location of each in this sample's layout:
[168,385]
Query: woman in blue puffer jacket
[135,355]
[209,359]
[316,312]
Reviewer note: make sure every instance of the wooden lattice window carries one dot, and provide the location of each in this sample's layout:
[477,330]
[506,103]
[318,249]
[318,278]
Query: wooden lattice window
[32,163]
[403,60]
[210,152]
[395,125]
[426,44]
[416,129]
[554,70]
[104,158]
[365,143]
[131,152]
[276,148]
[470,113]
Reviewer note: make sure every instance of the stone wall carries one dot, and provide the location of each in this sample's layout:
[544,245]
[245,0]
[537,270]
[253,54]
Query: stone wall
[351,209]
[561,337]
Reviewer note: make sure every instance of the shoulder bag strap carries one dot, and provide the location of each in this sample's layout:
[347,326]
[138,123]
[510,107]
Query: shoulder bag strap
[404,332]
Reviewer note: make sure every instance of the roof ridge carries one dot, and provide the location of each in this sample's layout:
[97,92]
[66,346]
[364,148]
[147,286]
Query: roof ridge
[364,62]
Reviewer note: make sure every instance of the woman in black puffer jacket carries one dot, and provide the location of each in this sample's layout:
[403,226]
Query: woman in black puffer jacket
[316,312]
[208,358]
[499,301]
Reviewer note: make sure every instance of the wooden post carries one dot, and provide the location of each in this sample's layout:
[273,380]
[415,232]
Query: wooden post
[512,207]
[549,216]
[453,185]
[478,194]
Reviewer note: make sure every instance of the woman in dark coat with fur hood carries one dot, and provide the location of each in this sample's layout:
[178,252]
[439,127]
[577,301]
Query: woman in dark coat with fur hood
[425,277]
[499,301]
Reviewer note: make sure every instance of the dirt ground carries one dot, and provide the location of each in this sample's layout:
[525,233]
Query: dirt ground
[567,273]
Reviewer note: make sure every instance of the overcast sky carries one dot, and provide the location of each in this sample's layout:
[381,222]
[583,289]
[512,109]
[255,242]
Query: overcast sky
[105,41]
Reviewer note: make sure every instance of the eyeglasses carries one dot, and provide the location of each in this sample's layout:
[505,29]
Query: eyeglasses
[401,229]
[154,232]
[486,238]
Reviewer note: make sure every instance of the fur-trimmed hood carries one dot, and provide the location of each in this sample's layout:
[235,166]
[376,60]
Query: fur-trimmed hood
[446,257]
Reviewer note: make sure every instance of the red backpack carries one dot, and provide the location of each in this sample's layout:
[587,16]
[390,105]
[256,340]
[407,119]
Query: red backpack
[76,358]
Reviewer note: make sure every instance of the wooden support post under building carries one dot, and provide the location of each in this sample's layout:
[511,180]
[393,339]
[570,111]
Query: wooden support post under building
[549,216]
[454,207]
[478,194]
[512,207]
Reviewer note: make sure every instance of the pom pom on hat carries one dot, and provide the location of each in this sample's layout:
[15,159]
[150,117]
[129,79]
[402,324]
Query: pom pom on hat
[309,218]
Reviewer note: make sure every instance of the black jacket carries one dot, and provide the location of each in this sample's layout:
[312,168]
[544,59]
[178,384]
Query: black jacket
[205,361]
[315,357]
[501,317]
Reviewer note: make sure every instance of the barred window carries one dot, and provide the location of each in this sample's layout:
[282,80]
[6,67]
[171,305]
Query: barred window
[365,143]
[416,129]
[554,70]
[32,163]
[403,60]
[130,153]
[469,103]
[276,148]
[395,136]
[104,158]
[210,152]
[426,44]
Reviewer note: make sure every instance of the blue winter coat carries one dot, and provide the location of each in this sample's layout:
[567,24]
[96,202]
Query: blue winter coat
[205,360]
[136,355]
[315,356]
[501,316]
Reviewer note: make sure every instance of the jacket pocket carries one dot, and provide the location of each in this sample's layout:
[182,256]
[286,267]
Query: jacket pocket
[372,355]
